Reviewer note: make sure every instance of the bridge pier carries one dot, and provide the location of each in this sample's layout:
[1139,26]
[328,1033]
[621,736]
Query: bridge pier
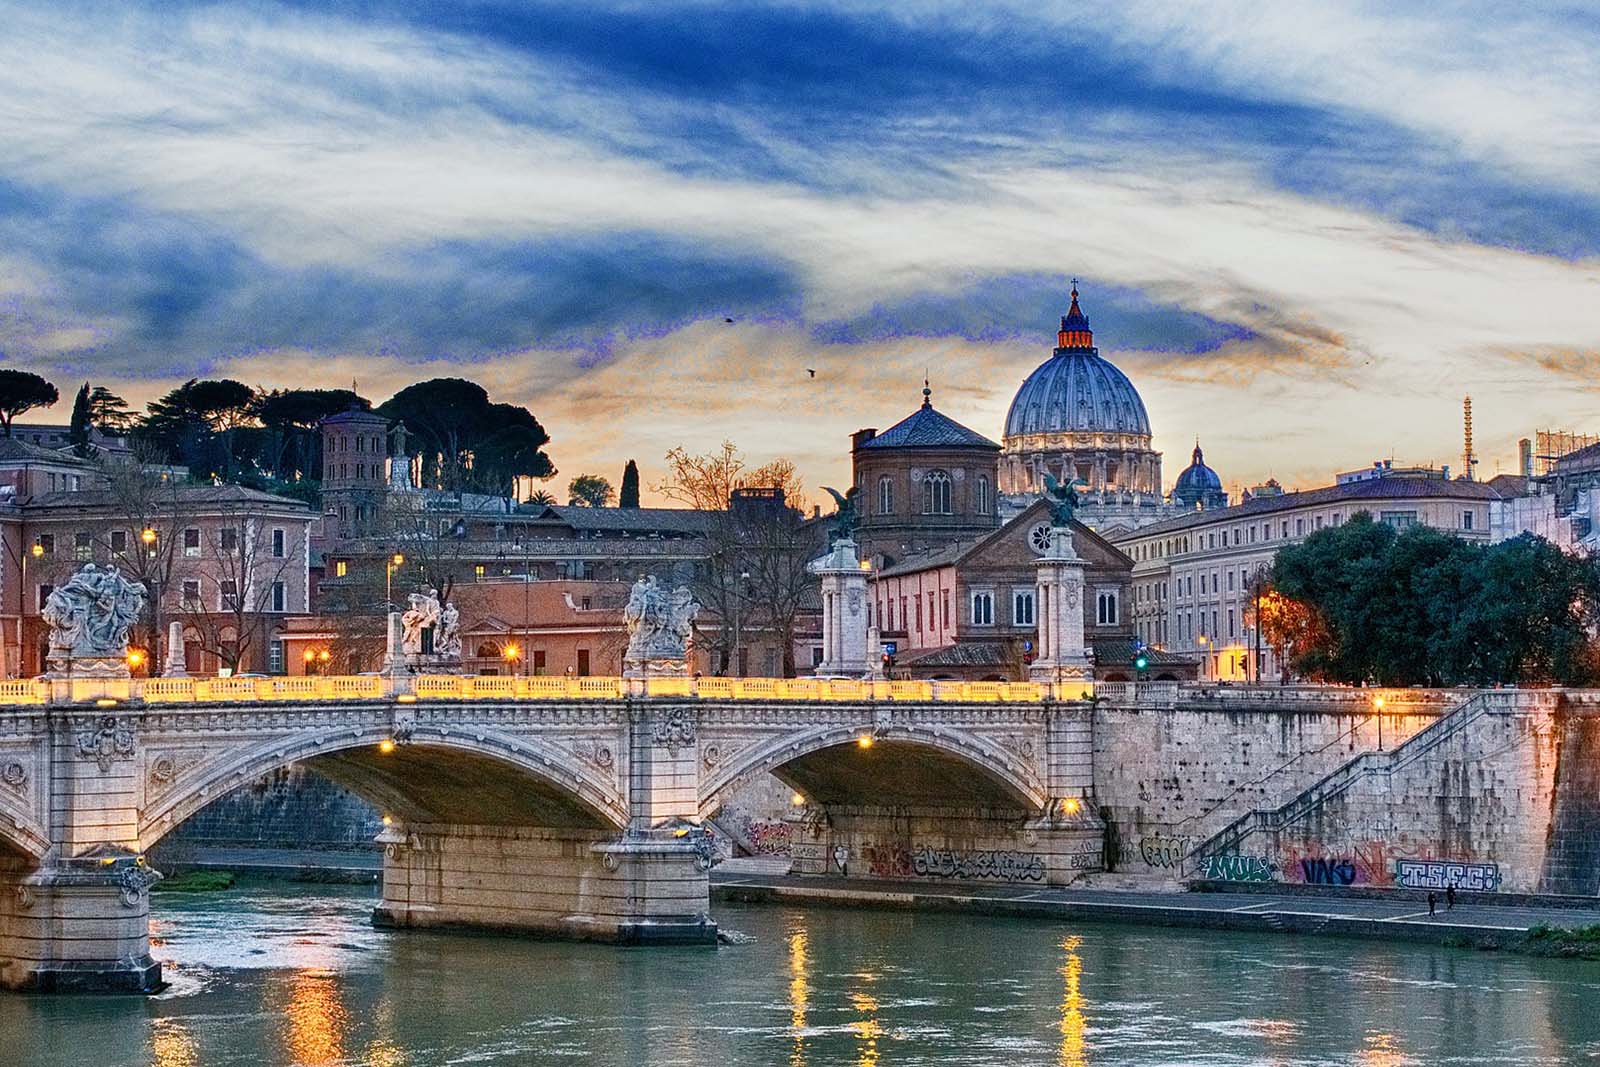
[636,888]
[77,926]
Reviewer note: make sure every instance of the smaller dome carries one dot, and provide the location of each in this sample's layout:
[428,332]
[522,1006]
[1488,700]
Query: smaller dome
[1199,486]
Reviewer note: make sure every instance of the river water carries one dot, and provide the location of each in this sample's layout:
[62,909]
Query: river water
[296,976]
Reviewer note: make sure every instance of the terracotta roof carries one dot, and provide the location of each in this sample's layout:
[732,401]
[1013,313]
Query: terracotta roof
[190,495]
[1352,492]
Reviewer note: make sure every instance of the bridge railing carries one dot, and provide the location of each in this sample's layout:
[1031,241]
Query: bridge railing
[38,691]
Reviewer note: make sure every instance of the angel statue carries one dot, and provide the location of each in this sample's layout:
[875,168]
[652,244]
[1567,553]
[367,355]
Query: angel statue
[845,515]
[1063,499]
[91,613]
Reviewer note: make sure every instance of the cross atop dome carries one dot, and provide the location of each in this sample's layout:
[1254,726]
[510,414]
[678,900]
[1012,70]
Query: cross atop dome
[1075,332]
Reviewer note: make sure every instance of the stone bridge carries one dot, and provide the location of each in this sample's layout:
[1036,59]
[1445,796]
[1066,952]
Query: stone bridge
[568,806]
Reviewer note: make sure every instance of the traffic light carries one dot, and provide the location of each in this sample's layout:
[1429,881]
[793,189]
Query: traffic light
[888,663]
[1142,660]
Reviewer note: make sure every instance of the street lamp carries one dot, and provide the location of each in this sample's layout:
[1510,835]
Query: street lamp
[394,563]
[511,653]
[35,550]
[147,537]
[311,660]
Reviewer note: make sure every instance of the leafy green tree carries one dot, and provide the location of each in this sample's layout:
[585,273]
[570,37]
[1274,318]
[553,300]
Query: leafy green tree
[589,491]
[465,441]
[542,497]
[21,391]
[196,423]
[109,413]
[289,444]
[629,496]
[1366,605]
[78,429]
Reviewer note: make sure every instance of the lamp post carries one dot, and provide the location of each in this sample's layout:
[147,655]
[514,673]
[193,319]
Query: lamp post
[394,563]
[310,658]
[511,653]
[35,550]
[148,538]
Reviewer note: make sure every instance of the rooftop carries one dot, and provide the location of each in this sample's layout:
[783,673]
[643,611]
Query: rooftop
[928,428]
[1351,492]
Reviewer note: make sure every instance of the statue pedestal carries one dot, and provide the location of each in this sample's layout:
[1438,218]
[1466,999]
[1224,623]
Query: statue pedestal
[1063,651]
[176,665]
[656,667]
[93,667]
[847,650]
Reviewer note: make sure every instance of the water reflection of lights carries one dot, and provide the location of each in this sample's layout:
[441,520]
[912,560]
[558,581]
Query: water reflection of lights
[1382,1050]
[317,1019]
[867,1030]
[173,1046]
[799,995]
[1072,1024]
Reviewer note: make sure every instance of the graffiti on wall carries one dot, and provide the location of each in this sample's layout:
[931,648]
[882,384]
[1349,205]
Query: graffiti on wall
[768,837]
[1166,852]
[1442,874]
[1236,869]
[1001,864]
[1371,862]
[887,861]
[1322,870]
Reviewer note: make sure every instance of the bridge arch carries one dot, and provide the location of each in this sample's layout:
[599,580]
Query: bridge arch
[439,774]
[21,832]
[821,762]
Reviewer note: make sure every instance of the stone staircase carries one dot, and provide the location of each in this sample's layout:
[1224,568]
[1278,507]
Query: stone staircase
[1230,840]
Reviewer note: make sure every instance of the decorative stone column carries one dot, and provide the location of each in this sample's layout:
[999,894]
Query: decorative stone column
[1063,652]
[846,647]
[176,665]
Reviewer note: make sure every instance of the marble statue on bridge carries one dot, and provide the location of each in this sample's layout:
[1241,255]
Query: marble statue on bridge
[430,634]
[660,626]
[89,617]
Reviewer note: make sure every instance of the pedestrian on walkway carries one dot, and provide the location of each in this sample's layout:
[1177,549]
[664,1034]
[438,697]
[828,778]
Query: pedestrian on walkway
[1432,901]
[1450,897]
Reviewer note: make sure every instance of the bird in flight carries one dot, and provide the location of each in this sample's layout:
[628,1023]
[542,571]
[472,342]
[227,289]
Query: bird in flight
[811,371]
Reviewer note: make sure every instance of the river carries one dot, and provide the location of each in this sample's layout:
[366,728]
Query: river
[278,975]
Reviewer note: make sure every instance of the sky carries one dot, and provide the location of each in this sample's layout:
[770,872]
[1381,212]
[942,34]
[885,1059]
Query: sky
[1304,230]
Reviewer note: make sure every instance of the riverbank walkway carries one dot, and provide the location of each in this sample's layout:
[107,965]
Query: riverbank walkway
[1475,920]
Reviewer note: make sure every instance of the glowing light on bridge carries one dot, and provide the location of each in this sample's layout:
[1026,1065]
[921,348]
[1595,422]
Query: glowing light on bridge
[386,746]
[864,741]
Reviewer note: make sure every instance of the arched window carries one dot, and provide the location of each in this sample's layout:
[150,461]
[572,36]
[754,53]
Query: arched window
[885,496]
[983,609]
[1106,608]
[980,503]
[936,493]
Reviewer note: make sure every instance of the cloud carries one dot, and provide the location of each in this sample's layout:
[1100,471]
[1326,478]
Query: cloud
[1333,208]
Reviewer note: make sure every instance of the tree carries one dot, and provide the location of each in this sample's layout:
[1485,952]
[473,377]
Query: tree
[239,558]
[195,424]
[22,391]
[1363,604]
[466,442]
[629,496]
[754,575]
[109,413]
[78,429]
[589,491]
[140,498]
[290,448]
[542,497]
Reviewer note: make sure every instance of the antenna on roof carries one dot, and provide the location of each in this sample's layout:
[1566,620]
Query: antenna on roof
[1468,457]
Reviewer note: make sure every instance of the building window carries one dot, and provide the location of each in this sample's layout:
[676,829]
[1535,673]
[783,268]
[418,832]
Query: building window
[83,545]
[1106,608]
[277,544]
[229,590]
[885,496]
[191,592]
[44,594]
[538,661]
[1022,607]
[1400,520]
[1299,527]
[1466,520]
[279,596]
[275,657]
[983,609]
[981,494]
[119,540]
[946,609]
[230,539]
[341,568]
[583,662]
[47,544]
[936,493]
[191,541]
[1230,622]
